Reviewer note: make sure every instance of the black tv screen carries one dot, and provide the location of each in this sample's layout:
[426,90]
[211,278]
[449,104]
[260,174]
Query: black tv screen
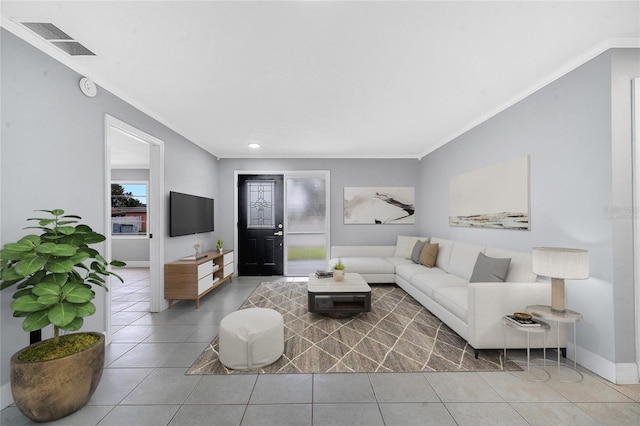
[189,214]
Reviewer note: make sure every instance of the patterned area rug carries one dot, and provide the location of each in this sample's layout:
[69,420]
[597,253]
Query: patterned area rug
[398,335]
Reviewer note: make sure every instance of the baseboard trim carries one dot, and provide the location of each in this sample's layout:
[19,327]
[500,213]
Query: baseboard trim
[620,374]
[6,399]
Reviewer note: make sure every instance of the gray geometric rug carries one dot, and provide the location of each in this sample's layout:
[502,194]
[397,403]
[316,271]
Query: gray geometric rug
[398,335]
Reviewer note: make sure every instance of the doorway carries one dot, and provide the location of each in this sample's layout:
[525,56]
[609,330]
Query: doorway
[127,147]
[260,225]
[302,241]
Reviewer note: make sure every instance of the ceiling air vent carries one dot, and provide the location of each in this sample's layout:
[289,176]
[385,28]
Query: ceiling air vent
[58,38]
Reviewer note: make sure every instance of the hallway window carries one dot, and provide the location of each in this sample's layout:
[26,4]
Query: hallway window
[129,208]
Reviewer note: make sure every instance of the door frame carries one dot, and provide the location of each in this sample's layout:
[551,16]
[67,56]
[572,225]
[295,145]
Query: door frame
[236,213]
[635,101]
[285,174]
[156,212]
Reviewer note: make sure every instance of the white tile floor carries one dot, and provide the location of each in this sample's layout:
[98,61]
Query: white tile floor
[144,382]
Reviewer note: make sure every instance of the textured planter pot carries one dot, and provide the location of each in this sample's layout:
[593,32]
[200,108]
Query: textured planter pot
[338,274]
[49,390]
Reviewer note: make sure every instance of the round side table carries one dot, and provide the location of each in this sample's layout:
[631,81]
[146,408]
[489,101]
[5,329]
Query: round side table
[541,329]
[566,317]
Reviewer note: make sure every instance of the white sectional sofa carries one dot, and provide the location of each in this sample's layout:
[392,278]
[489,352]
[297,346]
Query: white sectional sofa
[473,310]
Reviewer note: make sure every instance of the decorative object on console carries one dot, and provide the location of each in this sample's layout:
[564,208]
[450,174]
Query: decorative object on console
[493,197]
[394,205]
[338,273]
[219,245]
[560,264]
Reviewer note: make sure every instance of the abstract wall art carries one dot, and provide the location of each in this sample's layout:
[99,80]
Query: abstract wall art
[379,205]
[493,197]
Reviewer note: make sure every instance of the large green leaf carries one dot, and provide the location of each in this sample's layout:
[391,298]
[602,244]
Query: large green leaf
[47,288]
[59,279]
[26,243]
[27,303]
[10,274]
[49,299]
[93,238]
[79,257]
[60,266]
[73,239]
[30,265]
[65,250]
[83,229]
[36,321]
[74,325]
[74,293]
[66,230]
[62,314]
[7,254]
[86,309]
[18,294]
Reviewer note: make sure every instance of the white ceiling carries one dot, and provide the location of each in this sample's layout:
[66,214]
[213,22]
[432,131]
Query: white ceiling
[353,79]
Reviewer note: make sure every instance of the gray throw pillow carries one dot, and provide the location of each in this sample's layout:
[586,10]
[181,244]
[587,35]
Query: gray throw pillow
[417,249]
[490,269]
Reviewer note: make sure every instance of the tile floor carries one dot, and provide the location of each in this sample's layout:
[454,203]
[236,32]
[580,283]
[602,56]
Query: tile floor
[144,382]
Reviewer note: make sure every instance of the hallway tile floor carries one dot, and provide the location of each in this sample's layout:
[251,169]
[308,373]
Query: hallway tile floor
[144,382]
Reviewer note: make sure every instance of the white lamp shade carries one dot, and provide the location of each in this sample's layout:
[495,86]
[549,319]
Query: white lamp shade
[564,263]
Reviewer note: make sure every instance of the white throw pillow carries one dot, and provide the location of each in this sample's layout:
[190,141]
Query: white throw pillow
[405,244]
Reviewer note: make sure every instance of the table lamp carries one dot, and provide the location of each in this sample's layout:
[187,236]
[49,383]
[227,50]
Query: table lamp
[560,264]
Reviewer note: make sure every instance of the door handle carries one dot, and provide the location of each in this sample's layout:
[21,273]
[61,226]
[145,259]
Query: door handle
[279,233]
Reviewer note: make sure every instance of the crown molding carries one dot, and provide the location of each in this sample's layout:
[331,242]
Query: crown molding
[47,48]
[615,43]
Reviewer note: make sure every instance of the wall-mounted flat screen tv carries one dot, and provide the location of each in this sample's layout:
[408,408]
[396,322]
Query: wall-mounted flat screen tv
[189,214]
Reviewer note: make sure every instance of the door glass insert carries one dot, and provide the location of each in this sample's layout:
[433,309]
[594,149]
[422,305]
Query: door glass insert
[306,221]
[260,204]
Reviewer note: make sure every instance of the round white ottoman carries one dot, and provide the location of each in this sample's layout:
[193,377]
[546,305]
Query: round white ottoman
[251,338]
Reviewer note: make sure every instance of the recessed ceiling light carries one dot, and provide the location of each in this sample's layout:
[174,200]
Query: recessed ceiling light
[254,145]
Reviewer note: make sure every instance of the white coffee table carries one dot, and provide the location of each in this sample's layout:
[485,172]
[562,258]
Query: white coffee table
[331,297]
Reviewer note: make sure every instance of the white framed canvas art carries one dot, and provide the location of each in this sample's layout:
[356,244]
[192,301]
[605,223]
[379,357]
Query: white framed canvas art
[494,197]
[379,205]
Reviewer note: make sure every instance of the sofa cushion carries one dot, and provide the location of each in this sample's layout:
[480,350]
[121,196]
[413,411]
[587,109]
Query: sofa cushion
[428,255]
[434,279]
[454,299]
[520,268]
[490,269]
[404,245]
[368,265]
[417,249]
[395,261]
[407,271]
[444,252]
[463,258]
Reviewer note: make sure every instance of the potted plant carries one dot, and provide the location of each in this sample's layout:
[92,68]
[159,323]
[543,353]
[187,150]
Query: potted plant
[338,271]
[219,245]
[54,273]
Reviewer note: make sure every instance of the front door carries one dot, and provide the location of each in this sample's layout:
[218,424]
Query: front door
[260,225]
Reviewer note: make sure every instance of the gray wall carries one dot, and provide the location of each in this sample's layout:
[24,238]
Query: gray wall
[52,156]
[579,174]
[343,173]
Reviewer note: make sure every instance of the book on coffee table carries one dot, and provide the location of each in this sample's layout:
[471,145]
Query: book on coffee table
[522,321]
